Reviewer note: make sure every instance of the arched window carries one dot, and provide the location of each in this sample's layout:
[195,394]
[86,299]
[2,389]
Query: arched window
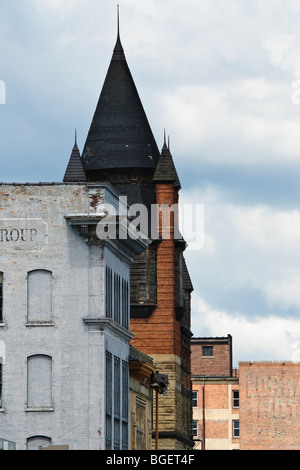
[39,296]
[35,442]
[39,381]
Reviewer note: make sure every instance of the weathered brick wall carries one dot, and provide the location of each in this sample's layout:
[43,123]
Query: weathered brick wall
[217,365]
[269,406]
[159,335]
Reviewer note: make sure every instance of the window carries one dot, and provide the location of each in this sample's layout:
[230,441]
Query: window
[207,351]
[1,379]
[125,404]
[108,293]
[35,442]
[125,309]
[235,399]
[39,293]
[195,399]
[39,382]
[236,428]
[195,428]
[1,297]
[108,401]
[117,403]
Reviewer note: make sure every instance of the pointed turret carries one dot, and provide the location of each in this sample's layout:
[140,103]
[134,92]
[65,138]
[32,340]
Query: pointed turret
[120,135]
[74,172]
[165,171]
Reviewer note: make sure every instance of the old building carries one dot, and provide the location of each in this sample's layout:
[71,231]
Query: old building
[120,149]
[215,395]
[269,405]
[64,327]
[75,294]
[141,400]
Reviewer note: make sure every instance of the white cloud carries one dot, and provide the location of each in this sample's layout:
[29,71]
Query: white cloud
[261,338]
[234,123]
[248,247]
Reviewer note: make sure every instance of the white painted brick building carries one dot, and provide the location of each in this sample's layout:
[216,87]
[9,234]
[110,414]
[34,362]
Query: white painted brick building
[64,318]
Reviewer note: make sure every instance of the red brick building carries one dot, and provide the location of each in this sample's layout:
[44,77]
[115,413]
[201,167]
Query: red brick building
[269,406]
[215,394]
[120,149]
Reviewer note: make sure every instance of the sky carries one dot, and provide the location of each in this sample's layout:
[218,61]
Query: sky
[223,78]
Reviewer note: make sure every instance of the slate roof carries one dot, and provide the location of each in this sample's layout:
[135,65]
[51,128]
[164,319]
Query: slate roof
[75,171]
[187,283]
[120,135]
[165,170]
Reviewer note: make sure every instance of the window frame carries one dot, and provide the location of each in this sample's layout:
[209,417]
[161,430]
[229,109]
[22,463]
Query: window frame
[195,398]
[235,428]
[235,399]
[31,396]
[206,349]
[49,321]
[195,428]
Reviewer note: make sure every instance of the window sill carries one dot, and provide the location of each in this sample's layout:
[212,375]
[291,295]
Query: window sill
[42,409]
[2,325]
[35,324]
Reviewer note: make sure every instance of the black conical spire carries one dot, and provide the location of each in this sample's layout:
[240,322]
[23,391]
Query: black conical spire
[74,172]
[120,135]
[165,171]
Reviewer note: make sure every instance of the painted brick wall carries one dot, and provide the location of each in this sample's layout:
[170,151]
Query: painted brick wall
[269,406]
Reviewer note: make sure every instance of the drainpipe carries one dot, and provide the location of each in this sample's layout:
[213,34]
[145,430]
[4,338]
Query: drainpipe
[156,421]
[203,415]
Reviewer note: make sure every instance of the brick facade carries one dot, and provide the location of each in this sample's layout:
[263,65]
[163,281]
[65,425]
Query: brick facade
[160,336]
[219,363]
[269,405]
[214,409]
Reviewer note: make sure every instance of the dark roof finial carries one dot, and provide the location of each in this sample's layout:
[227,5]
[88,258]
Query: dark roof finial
[76,137]
[118,19]
[165,142]
[118,50]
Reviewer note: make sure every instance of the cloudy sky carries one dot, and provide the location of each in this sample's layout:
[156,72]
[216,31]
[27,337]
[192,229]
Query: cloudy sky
[223,78]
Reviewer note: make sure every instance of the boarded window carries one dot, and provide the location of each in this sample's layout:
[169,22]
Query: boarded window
[35,442]
[1,373]
[39,381]
[1,297]
[39,293]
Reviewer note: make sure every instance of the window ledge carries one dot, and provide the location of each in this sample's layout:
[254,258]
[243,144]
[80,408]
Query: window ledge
[2,324]
[34,324]
[47,409]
